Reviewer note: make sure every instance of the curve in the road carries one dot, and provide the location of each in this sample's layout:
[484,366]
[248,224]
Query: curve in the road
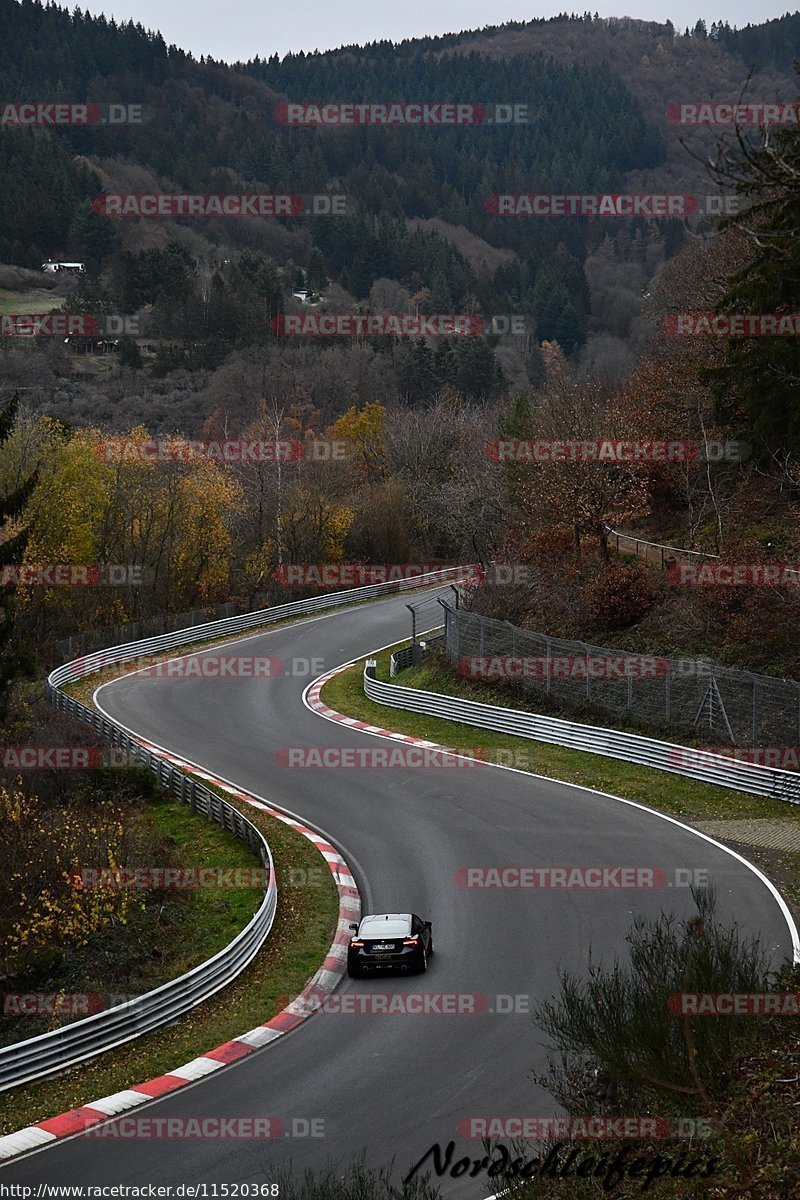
[393,1085]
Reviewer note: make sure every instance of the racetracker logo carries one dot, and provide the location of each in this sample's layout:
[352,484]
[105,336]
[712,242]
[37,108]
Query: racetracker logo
[413,114]
[731,574]
[51,758]
[177,879]
[595,205]
[61,1004]
[608,450]
[49,325]
[348,575]
[215,666]
[403,1004]
[212,1128]
[782,758]
[538,1129]
[203,665]
[580,878]
[40,113]
[233,450]
[258,204]
[701,112]
[383,325]
[378,758]
[577,666]
[735,1004]
[70,574]
[732,324]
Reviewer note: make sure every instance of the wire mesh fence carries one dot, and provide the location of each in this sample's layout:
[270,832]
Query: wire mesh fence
[722,705]
[133,631]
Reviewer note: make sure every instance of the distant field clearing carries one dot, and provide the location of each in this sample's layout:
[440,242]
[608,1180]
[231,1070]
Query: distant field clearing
[35,301]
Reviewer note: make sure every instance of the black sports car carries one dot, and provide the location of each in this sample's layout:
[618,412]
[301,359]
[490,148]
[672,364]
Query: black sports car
[389,942]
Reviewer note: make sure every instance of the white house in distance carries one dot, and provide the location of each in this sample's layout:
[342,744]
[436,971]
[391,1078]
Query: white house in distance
[73,268]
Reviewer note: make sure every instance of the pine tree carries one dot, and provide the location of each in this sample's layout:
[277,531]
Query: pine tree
[13,659]
[760,376]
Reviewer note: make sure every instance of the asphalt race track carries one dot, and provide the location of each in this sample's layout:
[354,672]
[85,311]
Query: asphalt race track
[395,1084]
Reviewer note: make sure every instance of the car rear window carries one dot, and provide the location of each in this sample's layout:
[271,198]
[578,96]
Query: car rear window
[382,929]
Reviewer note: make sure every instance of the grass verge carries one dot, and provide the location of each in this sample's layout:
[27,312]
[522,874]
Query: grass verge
[695,803]
[305,922]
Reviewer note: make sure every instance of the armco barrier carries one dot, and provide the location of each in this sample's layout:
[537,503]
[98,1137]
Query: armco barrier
[663,756]
[653,551]
[47,1053]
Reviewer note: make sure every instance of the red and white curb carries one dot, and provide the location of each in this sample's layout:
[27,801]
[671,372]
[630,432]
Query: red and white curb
[313,701]
[324,982]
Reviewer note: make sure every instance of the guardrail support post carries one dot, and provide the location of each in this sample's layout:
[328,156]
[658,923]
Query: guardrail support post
[413,612]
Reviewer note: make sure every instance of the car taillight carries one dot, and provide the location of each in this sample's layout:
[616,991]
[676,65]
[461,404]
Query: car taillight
[412,941]
[355,942]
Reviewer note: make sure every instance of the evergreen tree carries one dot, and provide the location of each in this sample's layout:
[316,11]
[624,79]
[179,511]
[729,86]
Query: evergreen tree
[760,376]
[14,660]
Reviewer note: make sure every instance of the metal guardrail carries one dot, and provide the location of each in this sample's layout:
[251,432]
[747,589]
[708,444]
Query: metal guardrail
[701,765]
[637,542]
[47,1053]
[58,1049]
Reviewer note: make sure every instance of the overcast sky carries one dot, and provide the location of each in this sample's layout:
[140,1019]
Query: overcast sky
[240,29]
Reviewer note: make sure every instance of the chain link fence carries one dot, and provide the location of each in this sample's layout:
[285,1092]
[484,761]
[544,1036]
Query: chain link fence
[134,631]
[722,705]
